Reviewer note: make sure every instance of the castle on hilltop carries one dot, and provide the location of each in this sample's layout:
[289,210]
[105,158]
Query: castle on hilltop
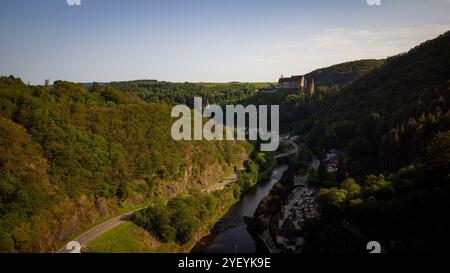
[297,83]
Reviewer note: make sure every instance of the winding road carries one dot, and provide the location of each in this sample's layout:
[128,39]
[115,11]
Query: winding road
[230,179]
[87,237]
[90,235]
[291,141]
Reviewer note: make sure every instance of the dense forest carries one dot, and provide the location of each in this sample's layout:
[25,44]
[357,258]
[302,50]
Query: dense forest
[394,126]
[405,211]
[329,81]
[71,156]
[74,154]
[391,124]
[183,93]
[179,219]
[386,118]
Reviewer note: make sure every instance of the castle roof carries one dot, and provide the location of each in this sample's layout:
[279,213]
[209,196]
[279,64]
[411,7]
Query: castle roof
[291,79]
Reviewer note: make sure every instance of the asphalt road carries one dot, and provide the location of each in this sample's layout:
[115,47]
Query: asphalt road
[99,230]
[90,235]
[293,151]
[231,179]
[87,237]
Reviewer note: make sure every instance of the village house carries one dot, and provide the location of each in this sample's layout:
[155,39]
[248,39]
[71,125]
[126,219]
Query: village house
[289,237]
[332,166]
[300,206]
[333,160]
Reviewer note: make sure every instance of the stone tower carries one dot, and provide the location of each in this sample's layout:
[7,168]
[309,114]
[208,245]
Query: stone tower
[302,83]
[312,88]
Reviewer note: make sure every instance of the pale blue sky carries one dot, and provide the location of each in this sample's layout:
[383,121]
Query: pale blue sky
[205,40]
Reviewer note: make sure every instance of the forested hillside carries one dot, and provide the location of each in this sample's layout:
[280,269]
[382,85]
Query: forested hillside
[394,184]
[329,81]
[405,211]
[386,118]
[183,93]
[392,124]
[332,79]
[70,157]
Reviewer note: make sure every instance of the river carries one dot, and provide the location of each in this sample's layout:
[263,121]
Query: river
[230,234]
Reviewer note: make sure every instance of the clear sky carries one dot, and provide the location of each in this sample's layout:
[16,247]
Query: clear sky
[205,40]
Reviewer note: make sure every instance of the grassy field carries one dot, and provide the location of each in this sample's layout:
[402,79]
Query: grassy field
[123,208]
[129,238]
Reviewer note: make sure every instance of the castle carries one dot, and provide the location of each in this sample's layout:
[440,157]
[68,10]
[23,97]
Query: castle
[297,83]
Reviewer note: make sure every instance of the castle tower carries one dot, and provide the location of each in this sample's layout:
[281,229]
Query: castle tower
[302,83]
[312,88]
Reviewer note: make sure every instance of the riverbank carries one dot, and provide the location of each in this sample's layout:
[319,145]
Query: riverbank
[280,216]
[208,207]
[131,238]
[231,233]
[234,233]
[270,206]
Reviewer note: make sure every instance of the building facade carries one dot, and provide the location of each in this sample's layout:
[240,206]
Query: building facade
[296,83]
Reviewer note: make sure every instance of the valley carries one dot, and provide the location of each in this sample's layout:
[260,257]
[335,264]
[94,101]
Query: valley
[97,161]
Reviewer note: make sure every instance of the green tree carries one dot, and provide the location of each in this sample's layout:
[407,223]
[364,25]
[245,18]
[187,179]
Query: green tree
[353,189]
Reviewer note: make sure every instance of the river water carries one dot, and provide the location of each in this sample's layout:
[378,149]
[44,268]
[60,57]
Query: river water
[230,234]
